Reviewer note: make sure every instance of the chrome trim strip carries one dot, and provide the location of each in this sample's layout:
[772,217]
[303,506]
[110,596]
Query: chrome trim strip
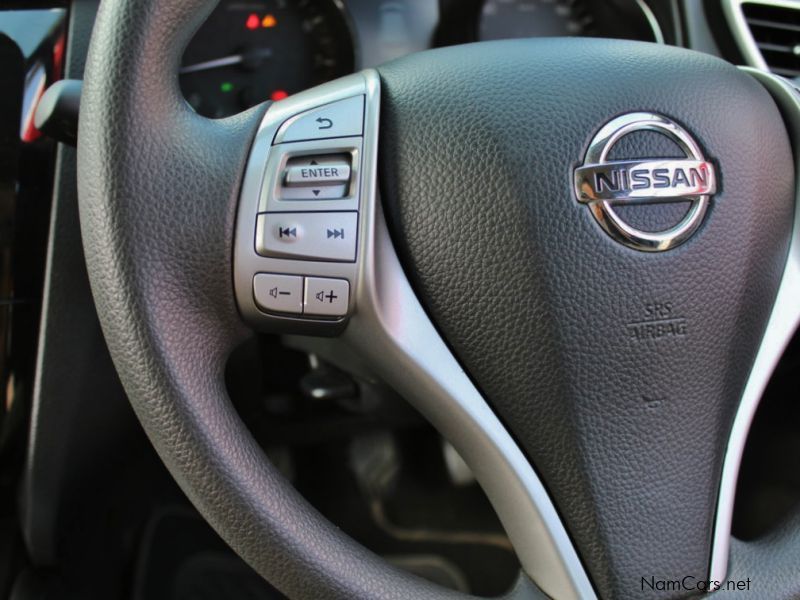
[652,20]
[391,330]
[782,324]
[741,31]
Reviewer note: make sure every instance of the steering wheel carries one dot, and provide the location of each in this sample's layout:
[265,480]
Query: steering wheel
[577,258]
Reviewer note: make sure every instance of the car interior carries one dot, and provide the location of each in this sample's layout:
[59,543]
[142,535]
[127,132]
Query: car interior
[399,299]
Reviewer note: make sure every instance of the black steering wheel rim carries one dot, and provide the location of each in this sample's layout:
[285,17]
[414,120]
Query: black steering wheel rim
[170,338]
[159,190]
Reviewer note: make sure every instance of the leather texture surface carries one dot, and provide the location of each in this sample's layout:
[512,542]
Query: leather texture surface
[770,563]
[478,144]
[158,191]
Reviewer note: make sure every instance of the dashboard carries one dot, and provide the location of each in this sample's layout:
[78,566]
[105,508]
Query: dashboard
[249,51]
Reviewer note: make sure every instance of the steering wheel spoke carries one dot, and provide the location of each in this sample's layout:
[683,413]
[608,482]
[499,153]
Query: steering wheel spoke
[503,234]
[381,322]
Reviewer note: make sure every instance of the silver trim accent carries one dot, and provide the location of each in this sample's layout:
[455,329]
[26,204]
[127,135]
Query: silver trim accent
[390,331]
[652,20]
[782,324]
[588,189]
[734,14]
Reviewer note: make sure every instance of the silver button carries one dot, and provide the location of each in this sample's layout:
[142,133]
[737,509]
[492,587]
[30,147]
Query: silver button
[278,293]
[337,119]
[317,178]
[327,236]
[322,192]
[326,297]
[316,173]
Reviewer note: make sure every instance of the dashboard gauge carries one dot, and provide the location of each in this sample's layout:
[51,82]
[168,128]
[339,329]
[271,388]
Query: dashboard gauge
[249,51]
[502,19]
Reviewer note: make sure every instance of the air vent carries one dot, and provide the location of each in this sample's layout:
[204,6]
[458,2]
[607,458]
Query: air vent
[768,33]
[776,31]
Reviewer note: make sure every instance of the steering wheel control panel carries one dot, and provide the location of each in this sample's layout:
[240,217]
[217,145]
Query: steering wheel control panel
[297,243]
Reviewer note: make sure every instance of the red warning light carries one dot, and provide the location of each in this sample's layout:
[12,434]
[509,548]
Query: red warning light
[253,22]
[278,95]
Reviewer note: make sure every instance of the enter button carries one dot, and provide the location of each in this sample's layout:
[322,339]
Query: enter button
[326,297]
[318,174]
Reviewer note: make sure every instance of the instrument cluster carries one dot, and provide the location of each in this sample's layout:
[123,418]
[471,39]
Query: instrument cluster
[249,51]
